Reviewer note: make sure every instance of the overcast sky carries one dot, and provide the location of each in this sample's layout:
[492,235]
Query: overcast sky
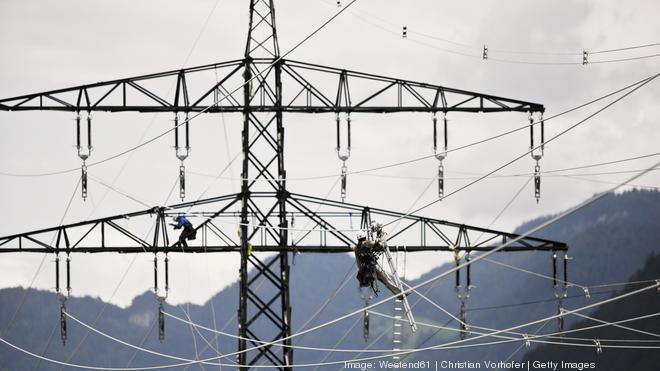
[47,45]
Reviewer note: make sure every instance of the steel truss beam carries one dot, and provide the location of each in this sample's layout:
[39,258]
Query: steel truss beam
[309,88]
[430,234]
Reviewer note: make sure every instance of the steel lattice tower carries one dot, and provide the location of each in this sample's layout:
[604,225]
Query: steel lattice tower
[272,87]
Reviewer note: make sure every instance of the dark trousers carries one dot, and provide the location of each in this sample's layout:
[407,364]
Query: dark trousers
[186,234]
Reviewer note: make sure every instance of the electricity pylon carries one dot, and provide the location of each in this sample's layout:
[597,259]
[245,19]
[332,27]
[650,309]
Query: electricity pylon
[264,207]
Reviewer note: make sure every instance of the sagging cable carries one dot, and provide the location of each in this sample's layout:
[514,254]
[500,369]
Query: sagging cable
[84,149]
[537,139]
[441,153]
[182,152]
[343,152]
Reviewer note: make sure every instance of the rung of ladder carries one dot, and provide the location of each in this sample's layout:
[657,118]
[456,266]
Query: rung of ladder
[398,283]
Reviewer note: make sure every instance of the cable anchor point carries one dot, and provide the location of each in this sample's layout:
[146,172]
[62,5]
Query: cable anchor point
[440,155]
[82,154]
[182,152]
[343,153]
[536,151]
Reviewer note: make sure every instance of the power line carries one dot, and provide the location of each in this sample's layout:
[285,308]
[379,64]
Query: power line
[463,265]
[617,325]
[40,266]
[546,142]
[478,50]
[521,336]
[197,114]
[593,199]
[443,346]
[115,290]
[351,172]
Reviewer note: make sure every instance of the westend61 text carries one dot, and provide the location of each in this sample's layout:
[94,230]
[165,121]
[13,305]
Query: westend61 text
[386,365]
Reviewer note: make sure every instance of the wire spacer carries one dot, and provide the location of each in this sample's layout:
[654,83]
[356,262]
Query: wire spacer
[599,348]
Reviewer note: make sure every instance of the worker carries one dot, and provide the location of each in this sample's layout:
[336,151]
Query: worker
[188,233]
[366,256]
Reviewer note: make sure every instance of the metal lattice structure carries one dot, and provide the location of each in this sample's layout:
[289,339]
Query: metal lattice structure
[264,207]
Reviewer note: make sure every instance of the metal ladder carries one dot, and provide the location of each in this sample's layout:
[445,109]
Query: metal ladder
[397,282]
[397,325]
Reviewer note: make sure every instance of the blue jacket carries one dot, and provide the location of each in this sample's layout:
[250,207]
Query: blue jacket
[183,222]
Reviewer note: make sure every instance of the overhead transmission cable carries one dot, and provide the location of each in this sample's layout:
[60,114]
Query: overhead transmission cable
[593,199]
[561,133]
[497,136]
[351,172]
[184,122]
[635,86]
[522,334]
[115,290]
[465,264]
[445,346]
[482,52]
[10,323]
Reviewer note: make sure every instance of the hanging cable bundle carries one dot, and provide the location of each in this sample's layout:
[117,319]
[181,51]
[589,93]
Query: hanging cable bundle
[84,151]
[440,154]
[537,153]
[182,152]
[343,152]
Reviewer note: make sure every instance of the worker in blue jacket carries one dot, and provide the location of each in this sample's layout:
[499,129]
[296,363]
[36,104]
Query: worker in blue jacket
[188,233]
